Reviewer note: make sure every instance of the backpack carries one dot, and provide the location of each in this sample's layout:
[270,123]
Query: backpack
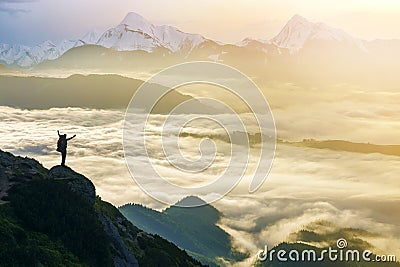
[61,144]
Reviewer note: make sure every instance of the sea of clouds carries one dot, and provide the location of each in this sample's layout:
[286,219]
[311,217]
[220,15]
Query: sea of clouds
[304,185]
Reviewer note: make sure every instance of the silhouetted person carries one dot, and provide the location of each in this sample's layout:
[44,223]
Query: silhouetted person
[62,146]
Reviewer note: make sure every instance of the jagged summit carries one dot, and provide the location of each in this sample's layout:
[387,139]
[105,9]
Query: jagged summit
[134,19]
[296,18]
[298,31]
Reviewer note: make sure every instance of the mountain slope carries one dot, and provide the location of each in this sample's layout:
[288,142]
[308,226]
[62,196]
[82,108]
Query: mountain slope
[194,229]
[53,218]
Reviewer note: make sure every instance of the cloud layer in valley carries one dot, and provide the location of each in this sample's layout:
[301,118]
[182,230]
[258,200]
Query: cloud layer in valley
[305,185]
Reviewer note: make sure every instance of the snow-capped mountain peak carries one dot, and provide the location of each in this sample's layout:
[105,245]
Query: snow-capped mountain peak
[133,33]
[297,19]
[298,31]
[136,33]
[136,21]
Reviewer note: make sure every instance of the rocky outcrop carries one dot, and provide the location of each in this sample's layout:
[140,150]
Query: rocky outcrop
[123,243]
[78,183]
[82,186]
[15,170]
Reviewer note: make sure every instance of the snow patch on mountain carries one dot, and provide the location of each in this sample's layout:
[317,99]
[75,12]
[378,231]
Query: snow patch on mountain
[25,56]
[91,37]
[12,53]
[247,41]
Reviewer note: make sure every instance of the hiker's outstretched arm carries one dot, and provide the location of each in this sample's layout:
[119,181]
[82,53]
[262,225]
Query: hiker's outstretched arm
[71,137]
[58,132]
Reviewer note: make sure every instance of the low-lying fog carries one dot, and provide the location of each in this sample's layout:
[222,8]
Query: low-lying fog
[304,185]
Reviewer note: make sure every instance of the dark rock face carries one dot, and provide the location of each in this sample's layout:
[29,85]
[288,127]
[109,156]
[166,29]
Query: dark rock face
[127,244]
[15,170]
[77,182]
[81,185]
[124,258]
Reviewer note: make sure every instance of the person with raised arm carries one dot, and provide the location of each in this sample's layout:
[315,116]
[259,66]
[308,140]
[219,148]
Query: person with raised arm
[62,146]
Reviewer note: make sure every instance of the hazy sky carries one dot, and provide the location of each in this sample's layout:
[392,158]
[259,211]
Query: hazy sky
[34,21]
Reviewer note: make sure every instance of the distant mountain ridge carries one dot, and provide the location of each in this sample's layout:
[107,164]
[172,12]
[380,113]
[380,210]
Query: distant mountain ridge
[25,56]
[341,145]
[91,91]
[193,229]
[135,33]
